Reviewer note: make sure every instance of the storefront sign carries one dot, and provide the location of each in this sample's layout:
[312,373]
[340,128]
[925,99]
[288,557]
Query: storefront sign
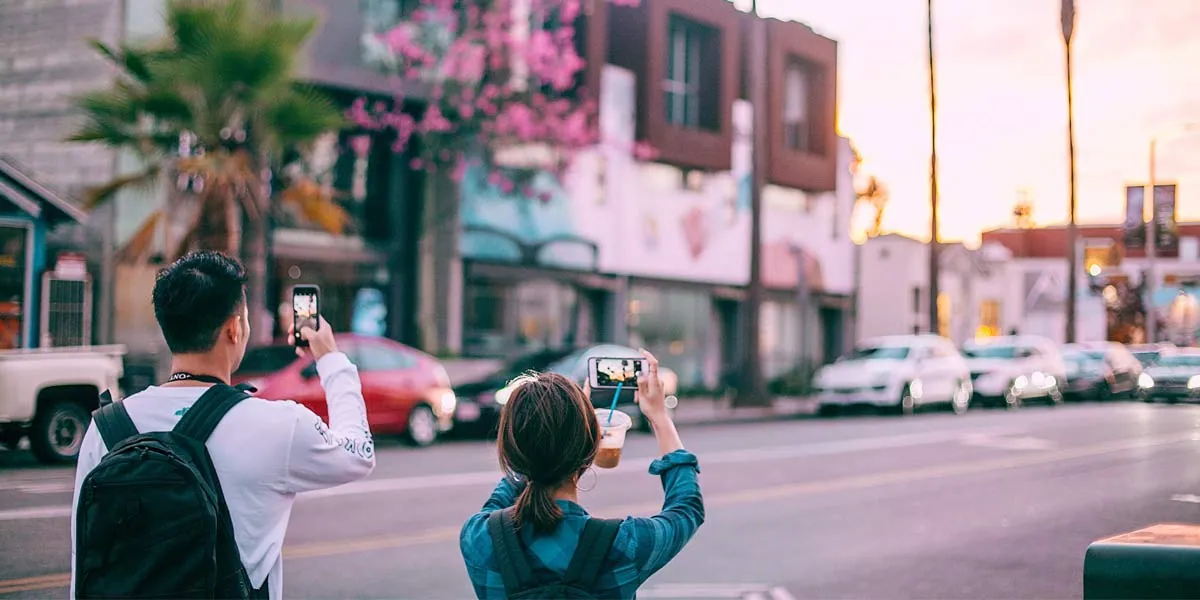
[1166,233]
[1134,227]
[70,265]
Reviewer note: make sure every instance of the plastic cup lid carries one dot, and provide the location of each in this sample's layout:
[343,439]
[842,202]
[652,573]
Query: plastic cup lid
[619,420]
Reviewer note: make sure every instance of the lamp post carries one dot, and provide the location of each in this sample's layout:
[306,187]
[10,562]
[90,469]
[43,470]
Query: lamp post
[1068,28]
[934,264]
[1151,241]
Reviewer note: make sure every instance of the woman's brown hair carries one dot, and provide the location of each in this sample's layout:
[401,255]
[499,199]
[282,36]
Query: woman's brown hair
[548,436]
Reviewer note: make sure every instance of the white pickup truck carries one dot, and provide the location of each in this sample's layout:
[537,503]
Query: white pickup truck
[48,394]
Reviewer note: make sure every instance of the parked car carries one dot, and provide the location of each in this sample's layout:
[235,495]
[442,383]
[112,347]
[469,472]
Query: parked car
[406,391]
[1174,378]
[1100,371]
[1148,354]
[903,373]
[50,393]
[479,400]
[1012,370]
[493,393]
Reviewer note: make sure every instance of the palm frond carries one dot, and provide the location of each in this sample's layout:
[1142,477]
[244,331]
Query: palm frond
[316,205]
[141,243]
[97,195]
[302,115]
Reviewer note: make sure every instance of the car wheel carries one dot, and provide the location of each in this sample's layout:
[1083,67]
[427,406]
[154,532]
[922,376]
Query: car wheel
[422,426]
[1056,397]
[827,410]
[1012,399]
[57,432]
[908,404]
[962,398]
[1103,392]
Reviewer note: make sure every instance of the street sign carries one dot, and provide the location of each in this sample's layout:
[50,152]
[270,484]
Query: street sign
[1166,232]
[1134,227]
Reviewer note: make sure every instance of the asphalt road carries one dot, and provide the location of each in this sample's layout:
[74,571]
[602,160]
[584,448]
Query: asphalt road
[986,505]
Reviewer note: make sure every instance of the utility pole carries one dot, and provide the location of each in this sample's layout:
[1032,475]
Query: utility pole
[1068,28]
[1151,324]
[934,262]
[753,390]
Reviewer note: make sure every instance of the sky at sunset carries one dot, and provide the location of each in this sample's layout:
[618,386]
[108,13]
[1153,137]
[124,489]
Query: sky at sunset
[1002,103]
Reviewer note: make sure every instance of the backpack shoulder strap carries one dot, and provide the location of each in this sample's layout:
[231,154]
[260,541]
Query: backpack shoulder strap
[114,424]
[594,544]
[199,422]
[510,557]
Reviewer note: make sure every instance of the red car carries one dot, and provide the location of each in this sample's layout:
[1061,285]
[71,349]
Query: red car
[407,391]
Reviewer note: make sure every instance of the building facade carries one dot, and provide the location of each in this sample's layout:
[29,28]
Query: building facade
[1112,301]
[976,297]
[652,253]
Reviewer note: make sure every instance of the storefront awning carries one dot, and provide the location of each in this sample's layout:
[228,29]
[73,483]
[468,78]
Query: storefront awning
[27,195]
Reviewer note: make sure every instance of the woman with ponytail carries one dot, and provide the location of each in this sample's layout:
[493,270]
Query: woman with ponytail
[533,540]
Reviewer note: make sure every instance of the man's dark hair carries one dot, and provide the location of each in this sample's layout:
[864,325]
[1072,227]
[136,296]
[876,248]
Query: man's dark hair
[195,296]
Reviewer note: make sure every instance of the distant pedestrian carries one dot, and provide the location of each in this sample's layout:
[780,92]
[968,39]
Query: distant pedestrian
[547,546]
[184,490]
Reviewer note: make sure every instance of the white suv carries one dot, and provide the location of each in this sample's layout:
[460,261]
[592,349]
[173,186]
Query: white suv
[900,372]
[1011,370]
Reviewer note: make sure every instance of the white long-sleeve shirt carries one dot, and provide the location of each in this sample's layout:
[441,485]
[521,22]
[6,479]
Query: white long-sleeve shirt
[264,453]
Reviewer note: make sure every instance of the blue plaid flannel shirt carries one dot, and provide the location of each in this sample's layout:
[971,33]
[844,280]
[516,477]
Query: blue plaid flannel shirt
[642,547]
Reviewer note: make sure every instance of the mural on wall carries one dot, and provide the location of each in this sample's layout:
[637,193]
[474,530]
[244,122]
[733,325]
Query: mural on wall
[615,213]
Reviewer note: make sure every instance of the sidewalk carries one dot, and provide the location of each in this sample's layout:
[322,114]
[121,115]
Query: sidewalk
[702,411]
[692,410]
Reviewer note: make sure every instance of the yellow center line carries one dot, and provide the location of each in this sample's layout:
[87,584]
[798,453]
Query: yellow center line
[754,495]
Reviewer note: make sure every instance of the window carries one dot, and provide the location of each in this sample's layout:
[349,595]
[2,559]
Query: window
[799,133]
[691,87]
[13,276]
[989,319]
[944,308]
[916,300]
[378,357]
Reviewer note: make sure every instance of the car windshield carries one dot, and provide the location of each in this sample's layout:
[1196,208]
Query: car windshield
[1083,356]
[1180,360]
[1001,352]
[534,361]
[879,353]
[1147,357]
[268,359]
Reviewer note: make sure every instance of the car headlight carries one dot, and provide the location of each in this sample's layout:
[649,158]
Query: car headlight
[1145,381]
[503,394]
[1021,382]
[1194,382]
[447,402]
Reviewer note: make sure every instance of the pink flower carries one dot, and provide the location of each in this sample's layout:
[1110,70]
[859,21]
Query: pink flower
[644,151]
[434,121]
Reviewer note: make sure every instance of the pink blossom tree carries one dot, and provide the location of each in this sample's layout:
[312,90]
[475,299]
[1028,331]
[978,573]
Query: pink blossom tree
[497,75]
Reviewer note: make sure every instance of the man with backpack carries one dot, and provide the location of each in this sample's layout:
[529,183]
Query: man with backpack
[184,490]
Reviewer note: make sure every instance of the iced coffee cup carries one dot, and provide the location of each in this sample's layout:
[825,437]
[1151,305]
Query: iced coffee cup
[612,437]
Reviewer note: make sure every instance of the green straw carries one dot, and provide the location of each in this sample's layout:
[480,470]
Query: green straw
[616,396]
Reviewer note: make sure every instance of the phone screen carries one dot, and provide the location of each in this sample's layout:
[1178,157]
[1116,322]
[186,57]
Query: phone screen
[610,372]
[306,309]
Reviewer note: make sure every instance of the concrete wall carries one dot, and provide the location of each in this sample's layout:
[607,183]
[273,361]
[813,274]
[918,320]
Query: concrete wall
[44,62]
[892,265]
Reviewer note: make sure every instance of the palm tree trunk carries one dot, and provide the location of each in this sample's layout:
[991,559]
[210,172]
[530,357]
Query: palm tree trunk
[254,258]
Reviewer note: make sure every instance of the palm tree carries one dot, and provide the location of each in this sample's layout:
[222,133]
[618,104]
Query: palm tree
[213,108]
[876,195]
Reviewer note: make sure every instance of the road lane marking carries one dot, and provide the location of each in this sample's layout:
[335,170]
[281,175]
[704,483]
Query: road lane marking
[37,512]
[32,584]
[696,591]
[640,465]
[984,440]
[1189,498]
[450,534]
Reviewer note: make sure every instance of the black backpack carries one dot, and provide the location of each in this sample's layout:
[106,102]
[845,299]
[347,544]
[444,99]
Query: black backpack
[151,520]
[580,579]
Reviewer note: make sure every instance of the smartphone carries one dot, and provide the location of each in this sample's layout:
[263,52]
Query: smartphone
[608,373]
[306,310]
